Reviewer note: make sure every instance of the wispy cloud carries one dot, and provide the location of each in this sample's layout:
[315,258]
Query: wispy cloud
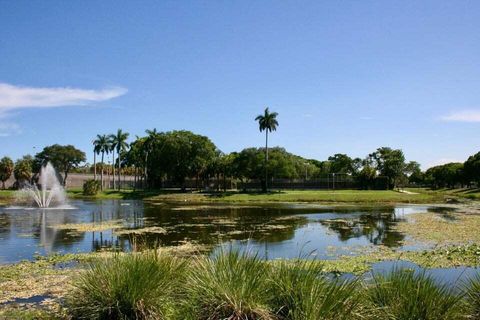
[9,129]
[16,97]
[463,116]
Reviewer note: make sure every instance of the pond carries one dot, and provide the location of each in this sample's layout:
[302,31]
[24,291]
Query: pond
[274,231]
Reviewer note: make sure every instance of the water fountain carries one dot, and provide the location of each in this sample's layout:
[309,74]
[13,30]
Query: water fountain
[50,193]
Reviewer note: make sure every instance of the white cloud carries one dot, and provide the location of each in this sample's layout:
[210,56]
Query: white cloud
[16,97]
[9,129]
[463,116]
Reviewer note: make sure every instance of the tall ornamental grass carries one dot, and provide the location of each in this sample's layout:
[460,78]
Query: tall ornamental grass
[230,285]
[404,295]
[472,295]
[130,286]
[301,291]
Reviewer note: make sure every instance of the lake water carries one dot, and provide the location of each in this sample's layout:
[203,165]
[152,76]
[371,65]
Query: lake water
[274,231]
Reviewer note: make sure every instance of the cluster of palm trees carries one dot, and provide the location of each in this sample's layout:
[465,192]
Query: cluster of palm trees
[117,144]
[105,144]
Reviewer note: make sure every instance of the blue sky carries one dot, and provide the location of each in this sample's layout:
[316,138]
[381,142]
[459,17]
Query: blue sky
[345,76]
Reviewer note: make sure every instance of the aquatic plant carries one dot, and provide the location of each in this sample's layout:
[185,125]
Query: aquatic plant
[301,291]
[132,286]
[404,294]
[230,285]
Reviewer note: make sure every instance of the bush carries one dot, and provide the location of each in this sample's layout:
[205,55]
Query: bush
[229,286]
[131,286]
[402,294]
[91,187]
[301,291]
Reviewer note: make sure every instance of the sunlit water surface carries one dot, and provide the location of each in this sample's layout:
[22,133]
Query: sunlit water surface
[272,231]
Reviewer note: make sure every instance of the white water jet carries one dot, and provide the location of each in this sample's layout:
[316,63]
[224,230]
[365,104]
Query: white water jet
[51,192]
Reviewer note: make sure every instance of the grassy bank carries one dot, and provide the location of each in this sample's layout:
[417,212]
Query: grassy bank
[420,195]
[230,285]
[327,196]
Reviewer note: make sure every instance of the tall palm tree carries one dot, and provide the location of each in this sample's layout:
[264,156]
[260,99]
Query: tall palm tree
[96,150]
[103,143]
[119,144]
[268,122]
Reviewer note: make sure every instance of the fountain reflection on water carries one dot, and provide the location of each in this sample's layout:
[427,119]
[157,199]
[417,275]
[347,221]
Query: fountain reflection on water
[50,193]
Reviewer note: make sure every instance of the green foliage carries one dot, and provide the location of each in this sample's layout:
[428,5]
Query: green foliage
[23,169]
[132,286]
[403,294]
[229,286]
[414,173]
[63,158]
[249,164]
[91,187]
[176,155]
[301,291]
[447,175]
[390,163]
[472,168]
[341,163]
[267,121]
[6,169]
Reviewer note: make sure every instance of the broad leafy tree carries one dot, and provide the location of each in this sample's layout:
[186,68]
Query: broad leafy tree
[446,175]
[341,163]
[267,122]
[6,169]
[63,158]
[472,168]
[390,163]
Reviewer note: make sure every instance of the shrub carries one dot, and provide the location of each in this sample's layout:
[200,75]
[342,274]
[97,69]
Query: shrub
[131,286]
[473,297]
[302,291]
[402,294]
[229,285]
[91,187]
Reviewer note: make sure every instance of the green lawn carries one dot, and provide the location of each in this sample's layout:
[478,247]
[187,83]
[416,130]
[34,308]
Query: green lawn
[422,195]
[472,194]
[347,196]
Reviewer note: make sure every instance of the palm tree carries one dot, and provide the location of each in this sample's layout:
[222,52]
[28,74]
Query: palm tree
[119,144]
[96,150]
[103,144]
[268,122]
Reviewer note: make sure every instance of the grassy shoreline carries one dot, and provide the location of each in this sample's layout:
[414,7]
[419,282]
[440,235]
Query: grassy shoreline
[324,196]
[414,196]
[47,277]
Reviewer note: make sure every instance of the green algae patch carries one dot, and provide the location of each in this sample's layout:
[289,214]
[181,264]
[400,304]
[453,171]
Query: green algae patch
[445,257]
[158,230]
[442,229]
[90,227]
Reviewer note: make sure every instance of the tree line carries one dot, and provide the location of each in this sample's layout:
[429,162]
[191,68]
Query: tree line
[175,156]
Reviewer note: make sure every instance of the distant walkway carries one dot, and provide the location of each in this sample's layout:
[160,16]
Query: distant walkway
[406,192]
